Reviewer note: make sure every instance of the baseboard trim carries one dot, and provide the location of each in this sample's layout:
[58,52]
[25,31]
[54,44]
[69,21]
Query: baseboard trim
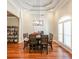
[63,46]
[21,41]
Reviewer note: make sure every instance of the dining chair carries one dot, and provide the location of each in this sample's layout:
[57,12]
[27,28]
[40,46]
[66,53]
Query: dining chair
[50,40]
[41,32]
[44,43]
[25,35]
[32,42]
[26,40]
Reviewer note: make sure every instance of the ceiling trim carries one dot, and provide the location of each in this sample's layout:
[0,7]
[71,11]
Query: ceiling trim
[61,4]
[47,8]
[42,9]
[39,5]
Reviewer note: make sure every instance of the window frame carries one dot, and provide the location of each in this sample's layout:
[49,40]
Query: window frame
[63,21]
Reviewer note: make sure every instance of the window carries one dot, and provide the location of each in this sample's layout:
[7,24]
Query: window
[60,32]
[64,31]
[67,33]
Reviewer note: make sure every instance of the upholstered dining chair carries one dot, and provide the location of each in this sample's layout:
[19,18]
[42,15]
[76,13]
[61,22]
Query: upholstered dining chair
[26,40]
[50,40]
[32,42]
[44,43]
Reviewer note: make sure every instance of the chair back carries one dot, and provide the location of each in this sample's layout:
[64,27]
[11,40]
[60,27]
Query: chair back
[32,39]
[25,35]
[44,39]
[50,36]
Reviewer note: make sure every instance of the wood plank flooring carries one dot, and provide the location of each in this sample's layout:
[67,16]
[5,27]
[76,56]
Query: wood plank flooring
[15,51]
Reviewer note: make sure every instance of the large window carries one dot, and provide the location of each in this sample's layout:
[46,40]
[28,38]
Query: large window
[60,32]
[64,31]
[67,33]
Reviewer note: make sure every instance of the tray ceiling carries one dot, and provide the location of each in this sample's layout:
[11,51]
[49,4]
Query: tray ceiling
[37,5]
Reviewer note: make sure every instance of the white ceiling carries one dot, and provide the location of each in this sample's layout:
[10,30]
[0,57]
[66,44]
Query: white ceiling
[37,5]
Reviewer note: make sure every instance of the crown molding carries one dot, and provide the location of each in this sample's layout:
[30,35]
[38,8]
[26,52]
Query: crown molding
[49,9]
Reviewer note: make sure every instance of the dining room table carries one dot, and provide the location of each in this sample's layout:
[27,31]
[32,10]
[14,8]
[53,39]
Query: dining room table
[38,45]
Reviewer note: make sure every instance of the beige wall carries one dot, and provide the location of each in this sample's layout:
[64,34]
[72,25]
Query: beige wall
[50,22]
[27,22]
[12,21]
[65,10]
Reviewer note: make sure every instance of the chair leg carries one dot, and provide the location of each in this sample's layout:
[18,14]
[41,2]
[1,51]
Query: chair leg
[29,48]
[51,46]
[47,49]
[24,47]
[41,49]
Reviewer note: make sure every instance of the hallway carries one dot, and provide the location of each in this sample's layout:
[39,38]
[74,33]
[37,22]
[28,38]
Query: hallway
[15,51]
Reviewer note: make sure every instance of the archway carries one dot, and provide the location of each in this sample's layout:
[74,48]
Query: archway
[12,28]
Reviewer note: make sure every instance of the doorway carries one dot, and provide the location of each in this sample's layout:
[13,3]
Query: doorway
[12,28]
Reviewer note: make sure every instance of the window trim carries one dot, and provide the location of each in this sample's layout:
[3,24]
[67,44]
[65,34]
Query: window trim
[63,29]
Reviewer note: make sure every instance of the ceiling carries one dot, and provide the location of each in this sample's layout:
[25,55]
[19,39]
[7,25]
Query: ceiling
[37,5]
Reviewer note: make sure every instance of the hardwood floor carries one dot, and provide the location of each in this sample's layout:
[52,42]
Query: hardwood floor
[15,51]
